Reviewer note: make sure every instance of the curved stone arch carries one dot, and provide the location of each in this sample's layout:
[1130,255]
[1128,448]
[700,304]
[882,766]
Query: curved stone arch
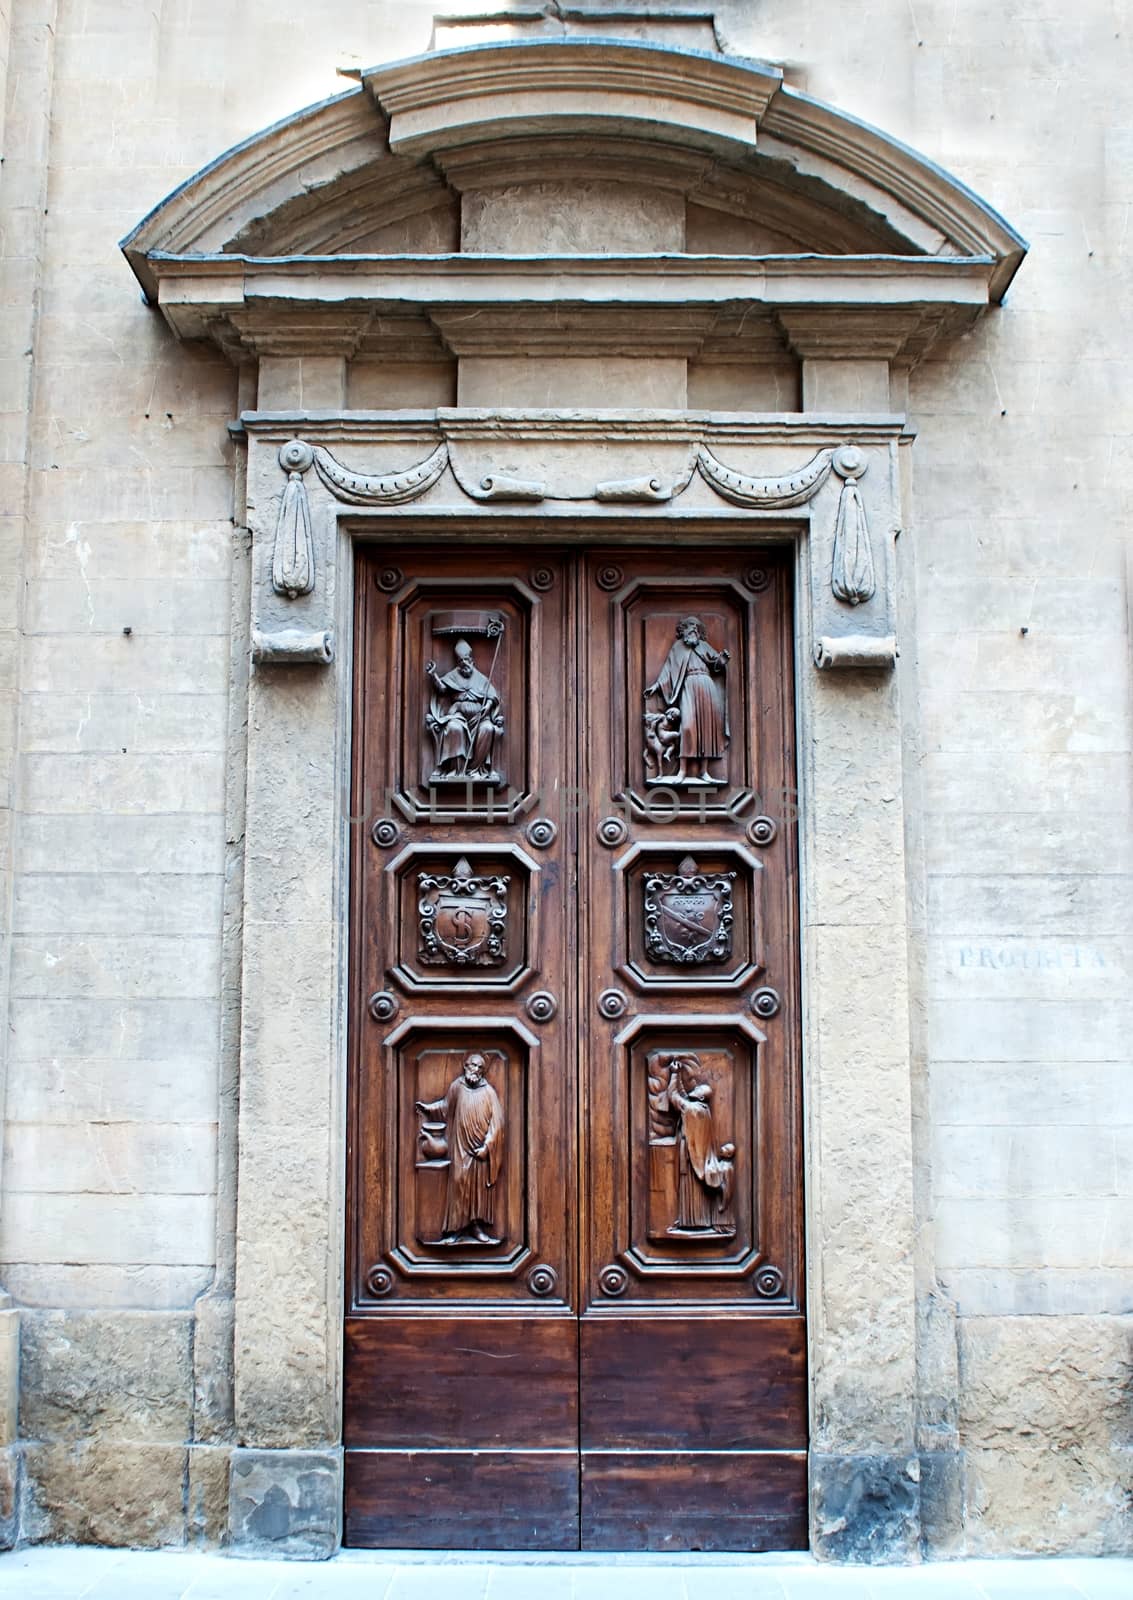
[725,132]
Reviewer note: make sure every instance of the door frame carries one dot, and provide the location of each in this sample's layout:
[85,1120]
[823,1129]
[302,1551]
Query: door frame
[857,1132]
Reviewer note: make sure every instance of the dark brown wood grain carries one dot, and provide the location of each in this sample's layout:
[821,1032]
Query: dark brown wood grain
[610,1291]
[480,1383]
[468,1500]
[719,1501]
[693,1383]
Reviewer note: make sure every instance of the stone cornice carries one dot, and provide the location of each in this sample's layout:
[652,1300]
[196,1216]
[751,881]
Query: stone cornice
[723,131]
[481,424]
[862,152]
[438,101]
[741,307]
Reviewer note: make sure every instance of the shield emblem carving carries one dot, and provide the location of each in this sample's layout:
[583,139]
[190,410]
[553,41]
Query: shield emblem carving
[462,917]
[688,914]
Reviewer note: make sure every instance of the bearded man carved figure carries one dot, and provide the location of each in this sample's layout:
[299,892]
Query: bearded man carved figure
[691,683]
[474,1135]
[465,718]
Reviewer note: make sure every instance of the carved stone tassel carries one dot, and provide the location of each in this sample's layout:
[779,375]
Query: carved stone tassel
[293,559]
[852,578]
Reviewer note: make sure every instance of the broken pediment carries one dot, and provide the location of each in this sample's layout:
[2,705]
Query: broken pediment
[391,200]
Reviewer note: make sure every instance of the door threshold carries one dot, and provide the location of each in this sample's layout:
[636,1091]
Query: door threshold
[577,1558]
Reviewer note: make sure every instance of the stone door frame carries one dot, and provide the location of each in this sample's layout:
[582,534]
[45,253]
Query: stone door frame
[260,254]
[858,1122]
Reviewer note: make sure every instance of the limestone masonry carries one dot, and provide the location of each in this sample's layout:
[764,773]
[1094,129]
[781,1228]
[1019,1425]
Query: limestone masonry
[175,679]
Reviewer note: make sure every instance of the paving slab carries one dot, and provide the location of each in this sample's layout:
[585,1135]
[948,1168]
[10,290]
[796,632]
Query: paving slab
[72,1573]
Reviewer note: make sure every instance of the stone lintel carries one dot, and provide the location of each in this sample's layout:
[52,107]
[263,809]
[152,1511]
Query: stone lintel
[592,425]
[428,308]
[285,1503]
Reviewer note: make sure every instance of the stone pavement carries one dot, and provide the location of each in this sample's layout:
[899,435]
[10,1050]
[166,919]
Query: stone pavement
[69,1573]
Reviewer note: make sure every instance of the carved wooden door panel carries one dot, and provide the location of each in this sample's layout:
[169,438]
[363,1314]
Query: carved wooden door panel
[693,1405]
[461,1370]
[574,1307]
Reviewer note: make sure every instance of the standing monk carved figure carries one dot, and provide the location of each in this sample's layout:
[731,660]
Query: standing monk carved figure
[691,683]
[465,718]
[474,1135]
[705,1172]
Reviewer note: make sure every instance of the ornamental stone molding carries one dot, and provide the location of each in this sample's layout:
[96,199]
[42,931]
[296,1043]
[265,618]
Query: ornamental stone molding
[340,229]
[833,488]
[840,545]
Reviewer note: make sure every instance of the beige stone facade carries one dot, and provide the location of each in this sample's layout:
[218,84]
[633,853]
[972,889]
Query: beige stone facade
[174,834]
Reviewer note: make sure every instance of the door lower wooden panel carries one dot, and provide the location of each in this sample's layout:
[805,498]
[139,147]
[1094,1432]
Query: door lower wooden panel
[687,1383]
[462,1499]
[575,1275]
[484,1383]
[722,1500]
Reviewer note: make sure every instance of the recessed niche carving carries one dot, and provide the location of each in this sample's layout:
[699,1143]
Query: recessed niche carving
[681,677]
[692,1153]
[463,729]
[686,717]
[683,1132]
[465,716]
[464,1133]
[460,1197]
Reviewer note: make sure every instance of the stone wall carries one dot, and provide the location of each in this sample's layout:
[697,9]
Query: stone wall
[121,719]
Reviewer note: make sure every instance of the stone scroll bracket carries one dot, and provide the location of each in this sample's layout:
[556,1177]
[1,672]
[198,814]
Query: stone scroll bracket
[849,563]
[294,590]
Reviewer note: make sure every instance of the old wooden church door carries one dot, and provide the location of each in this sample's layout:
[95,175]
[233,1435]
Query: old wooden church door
[575,1279]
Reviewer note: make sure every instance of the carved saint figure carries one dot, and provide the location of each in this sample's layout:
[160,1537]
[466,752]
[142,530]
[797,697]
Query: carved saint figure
[691,683]
[705,1171]
[465,718]
[474,1139]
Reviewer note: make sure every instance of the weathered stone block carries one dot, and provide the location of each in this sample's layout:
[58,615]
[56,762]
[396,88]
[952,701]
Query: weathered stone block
[213,1368]
[285,1503]
[1045,1431]
[866,1508]
[942,1503]
[11,1473]
[110,1493]
[9,1370]
[175,1230]
[206,1512]
[124,1375]
[118,902]
[110,1158]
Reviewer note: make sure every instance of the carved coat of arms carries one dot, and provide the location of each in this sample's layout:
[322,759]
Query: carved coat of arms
[688,914]
[462,917]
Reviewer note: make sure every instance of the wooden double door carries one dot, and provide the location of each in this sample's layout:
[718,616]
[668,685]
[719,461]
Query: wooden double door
[575,1273]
